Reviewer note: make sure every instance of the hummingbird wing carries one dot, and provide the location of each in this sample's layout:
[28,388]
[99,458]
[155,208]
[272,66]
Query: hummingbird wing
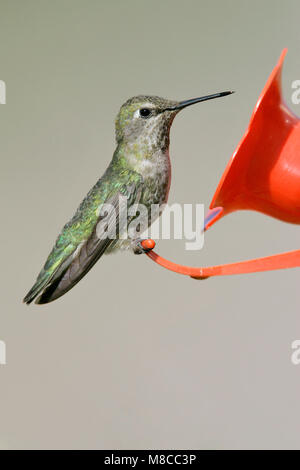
[87,236]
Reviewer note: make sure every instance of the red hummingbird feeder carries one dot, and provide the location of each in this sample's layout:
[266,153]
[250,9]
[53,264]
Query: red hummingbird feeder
[263,175]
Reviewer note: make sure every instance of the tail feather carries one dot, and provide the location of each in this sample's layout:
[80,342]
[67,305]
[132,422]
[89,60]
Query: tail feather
[47,278]
[72,272]
[36,289]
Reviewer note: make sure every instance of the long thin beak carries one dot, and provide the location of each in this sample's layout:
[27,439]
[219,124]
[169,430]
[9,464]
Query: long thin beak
[184,104]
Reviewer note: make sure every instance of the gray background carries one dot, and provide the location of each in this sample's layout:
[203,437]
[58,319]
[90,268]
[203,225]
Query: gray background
[135,356]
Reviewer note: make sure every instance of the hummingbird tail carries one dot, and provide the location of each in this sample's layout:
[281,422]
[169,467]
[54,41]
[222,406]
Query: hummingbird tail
[72,272]
[51,286]
[36,290]
[46,278]
[46,281]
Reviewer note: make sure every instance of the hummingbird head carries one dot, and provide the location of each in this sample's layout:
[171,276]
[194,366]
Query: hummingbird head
[146,120]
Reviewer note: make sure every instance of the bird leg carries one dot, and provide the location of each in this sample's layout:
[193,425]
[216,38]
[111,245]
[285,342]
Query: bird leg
[142,245]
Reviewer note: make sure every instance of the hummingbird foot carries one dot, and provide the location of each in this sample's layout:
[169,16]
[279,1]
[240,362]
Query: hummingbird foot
[140,246]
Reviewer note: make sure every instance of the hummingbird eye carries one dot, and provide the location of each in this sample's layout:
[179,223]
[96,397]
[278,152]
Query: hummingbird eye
[145,112]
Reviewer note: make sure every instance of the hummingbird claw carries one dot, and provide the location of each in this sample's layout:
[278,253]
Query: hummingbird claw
[140,246]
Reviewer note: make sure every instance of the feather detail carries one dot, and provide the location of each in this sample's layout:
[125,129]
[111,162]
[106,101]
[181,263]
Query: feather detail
[63,272]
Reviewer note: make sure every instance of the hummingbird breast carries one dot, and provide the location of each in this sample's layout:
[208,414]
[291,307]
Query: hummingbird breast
[156,172]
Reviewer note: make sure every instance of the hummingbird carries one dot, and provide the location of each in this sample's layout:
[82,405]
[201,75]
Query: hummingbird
[140,172]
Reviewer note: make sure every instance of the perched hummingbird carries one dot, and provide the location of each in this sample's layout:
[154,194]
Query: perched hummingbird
[140,170]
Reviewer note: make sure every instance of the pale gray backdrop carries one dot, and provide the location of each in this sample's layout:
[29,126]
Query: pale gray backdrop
[135,356]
